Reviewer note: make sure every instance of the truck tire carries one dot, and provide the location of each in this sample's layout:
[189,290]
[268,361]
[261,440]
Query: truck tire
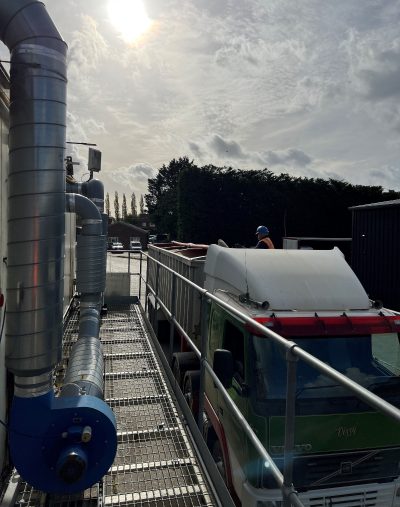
[181,363]
[191,387]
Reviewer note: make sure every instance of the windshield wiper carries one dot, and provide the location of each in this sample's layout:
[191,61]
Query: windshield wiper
[389,383]
[302,389]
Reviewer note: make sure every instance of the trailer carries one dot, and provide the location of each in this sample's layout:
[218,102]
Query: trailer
[314,300]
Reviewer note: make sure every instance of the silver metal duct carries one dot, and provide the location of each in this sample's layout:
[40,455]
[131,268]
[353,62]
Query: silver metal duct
[86,367]
[93,190]
[36,203]
[85,372]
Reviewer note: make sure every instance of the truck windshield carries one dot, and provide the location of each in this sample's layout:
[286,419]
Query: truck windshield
[372,361]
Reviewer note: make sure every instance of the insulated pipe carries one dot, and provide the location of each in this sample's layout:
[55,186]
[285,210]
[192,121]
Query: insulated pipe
[87,210]
[86,367]
[73,439]
[36,184]
[94,190]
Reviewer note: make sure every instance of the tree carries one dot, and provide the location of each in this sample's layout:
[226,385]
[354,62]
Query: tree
[116,207]
[133,205]
[124,208]
[108,204]
[141,205]
[161,199]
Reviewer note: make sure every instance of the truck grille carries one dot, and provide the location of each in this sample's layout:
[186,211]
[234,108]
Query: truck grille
[337,469]
[340,469]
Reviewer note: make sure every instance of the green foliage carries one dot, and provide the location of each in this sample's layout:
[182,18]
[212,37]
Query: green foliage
[133,205]
[116,207]
[141,205]
[108,204]
[203,204]
[124,208]
[162,198]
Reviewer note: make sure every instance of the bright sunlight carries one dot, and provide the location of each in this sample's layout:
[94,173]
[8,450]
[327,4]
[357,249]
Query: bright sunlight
[129,17]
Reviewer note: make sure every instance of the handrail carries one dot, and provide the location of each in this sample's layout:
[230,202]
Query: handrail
[293,353]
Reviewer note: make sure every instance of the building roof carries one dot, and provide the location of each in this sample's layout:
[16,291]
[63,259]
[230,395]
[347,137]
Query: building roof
[129,226]
[382,204]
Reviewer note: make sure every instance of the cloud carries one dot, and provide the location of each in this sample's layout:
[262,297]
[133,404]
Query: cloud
[291,156]
[226,148]
[387,176]
[196,149]
[218,148]
[131,178]
[309,88]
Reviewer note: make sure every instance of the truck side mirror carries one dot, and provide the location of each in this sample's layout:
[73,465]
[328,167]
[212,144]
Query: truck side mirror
[223,366]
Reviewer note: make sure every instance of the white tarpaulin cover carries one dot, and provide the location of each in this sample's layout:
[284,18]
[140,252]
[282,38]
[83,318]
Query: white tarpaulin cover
[288,279]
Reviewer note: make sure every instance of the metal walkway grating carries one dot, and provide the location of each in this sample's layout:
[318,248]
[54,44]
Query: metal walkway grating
[155,465]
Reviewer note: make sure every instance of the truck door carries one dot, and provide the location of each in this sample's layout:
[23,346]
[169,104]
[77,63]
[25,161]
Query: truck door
[233,339]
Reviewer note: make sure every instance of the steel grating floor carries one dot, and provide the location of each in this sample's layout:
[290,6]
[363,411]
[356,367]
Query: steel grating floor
[156,464]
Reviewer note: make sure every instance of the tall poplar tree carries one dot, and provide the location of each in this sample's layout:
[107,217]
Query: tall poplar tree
[133,205]
[124,208]
[116,207]
[141,204]
[108,204]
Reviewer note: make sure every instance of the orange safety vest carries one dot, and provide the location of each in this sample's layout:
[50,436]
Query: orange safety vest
[266,242]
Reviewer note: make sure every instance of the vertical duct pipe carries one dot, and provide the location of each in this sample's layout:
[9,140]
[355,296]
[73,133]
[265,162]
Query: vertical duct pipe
[86,367]
[36,203]
[94,190]
[72,439]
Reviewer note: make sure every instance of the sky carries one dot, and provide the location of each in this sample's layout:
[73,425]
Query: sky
[310,88]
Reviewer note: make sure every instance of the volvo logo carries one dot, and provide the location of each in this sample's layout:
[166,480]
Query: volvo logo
[346,468]
[346,432]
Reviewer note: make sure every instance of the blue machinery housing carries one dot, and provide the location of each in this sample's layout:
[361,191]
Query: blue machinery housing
[58,444]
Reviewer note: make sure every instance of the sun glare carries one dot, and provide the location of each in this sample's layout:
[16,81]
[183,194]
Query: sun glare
[129,17]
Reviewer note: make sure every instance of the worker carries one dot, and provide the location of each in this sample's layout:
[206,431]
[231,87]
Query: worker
[264,241]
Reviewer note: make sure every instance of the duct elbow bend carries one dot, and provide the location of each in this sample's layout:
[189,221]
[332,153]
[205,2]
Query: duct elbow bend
[94,190]
[92,222]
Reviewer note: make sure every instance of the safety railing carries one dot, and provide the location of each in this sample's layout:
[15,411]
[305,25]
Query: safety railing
[293,354]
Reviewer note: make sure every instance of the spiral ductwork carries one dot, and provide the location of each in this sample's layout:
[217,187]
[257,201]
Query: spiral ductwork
[90,265]
[36,185]
[86,361]
[86,367]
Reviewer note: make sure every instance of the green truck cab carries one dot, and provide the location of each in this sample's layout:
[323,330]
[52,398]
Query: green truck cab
[344,450]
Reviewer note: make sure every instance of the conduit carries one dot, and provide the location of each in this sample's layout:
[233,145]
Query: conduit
[72,438]
[86,366]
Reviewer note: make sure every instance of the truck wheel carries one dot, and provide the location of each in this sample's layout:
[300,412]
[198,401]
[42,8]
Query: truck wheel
[181,363]
[191,386]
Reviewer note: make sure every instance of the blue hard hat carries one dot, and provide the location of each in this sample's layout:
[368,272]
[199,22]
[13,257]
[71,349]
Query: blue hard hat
[261,229]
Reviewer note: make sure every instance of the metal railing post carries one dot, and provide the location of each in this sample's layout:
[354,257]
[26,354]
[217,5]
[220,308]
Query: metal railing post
[147,283]
[129,262]
[290,420]
[172,325]
[202,360]
[140,275]
[293,353]
[156,299]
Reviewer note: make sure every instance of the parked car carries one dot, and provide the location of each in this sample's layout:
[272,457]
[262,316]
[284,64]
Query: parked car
[135,246]
[115,246]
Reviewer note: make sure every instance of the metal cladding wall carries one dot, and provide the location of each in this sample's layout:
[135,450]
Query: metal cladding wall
[376,250]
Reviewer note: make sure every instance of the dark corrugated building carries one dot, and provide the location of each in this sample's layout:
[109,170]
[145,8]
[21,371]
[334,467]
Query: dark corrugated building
[376,250]
[124,232]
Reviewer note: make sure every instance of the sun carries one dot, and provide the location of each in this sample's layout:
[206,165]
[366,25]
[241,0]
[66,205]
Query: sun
[129,17]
